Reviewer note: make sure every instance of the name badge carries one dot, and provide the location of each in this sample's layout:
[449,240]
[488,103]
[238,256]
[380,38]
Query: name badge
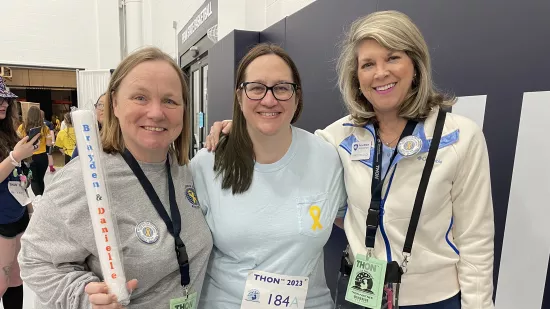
[19,192]
[360,151]
[188,302]
[366,283]
[265,290]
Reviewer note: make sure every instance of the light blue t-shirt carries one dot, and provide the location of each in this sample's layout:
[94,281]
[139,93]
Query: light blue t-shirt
[269,227]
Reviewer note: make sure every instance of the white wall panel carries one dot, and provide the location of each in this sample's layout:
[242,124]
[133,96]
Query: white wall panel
[526,246]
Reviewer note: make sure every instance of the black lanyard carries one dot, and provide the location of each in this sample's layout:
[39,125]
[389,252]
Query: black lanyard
[373,216]
[174,225]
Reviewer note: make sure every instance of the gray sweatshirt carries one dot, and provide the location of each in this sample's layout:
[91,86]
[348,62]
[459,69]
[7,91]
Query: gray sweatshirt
[58,252]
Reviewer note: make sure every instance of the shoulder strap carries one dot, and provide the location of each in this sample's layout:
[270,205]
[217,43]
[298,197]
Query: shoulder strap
[421,193]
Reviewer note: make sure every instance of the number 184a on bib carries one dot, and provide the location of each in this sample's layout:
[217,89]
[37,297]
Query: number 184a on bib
[265,290]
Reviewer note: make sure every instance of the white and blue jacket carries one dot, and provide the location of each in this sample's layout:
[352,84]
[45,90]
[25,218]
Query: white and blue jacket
[453,248]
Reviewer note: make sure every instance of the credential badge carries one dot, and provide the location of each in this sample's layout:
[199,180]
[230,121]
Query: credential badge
[147,232]
[409,146]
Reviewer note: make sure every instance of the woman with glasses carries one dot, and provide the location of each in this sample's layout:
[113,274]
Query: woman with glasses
[384,74]
[99,106]
[270,194]
[14,215]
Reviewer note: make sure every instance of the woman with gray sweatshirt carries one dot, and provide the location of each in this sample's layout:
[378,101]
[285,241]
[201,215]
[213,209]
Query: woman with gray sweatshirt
[145,141]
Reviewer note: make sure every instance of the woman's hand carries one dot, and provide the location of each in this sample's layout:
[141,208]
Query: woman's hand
[216,130]
[25,148]
[98,294]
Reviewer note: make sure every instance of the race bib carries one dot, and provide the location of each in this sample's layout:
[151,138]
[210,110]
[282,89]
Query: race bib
[189,302]
[266,290]
[366,283]
[360,151]
[19,192]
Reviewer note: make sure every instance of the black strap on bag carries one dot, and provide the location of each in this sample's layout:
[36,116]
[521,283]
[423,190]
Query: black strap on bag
[421,193]
[373,217]
[174,225]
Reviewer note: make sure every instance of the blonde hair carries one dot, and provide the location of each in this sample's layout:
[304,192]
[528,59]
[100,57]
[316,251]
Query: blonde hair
[111,134]
[394,31]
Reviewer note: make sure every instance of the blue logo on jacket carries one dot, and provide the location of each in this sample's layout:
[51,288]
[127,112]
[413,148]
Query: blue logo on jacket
[419,132]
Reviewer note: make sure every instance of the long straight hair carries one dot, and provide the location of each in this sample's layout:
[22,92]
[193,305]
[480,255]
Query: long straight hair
[34,119]
[68,119]
[234,158]
[8,135]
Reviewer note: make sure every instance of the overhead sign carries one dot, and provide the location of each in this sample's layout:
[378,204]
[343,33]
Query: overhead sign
[197,27]
[197,22]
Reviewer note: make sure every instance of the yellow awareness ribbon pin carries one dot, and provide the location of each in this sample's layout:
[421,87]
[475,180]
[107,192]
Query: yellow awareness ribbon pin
[315,213]
[192,195]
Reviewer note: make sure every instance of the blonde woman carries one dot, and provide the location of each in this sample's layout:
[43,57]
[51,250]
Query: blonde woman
[384,74]
[66,138]
[146,133]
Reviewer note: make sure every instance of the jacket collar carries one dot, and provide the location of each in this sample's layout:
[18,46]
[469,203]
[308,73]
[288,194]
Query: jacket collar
[424,131]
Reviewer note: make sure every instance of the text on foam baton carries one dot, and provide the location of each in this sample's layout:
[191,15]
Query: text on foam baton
[99,199]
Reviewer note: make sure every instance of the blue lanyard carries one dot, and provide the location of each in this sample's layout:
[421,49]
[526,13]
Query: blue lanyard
[373,216]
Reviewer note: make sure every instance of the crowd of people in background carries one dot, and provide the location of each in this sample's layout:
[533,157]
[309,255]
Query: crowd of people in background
[28,145]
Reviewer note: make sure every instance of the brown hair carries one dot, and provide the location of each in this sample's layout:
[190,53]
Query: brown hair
[111,135]
[8,135]
[34,119]
[234,159]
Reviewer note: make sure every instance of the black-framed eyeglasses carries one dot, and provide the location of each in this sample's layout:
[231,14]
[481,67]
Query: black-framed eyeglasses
[99,106]
[257,91]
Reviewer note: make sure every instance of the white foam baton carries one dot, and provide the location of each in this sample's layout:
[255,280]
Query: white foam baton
[105,232]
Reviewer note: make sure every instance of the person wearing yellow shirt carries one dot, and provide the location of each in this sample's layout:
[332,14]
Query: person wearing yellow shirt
[39,162]
[66,139]
[56,122]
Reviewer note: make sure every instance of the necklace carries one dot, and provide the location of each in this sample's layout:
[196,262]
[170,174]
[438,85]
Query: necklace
[387,143]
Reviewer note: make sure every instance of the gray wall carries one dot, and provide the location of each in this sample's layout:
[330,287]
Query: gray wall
[497,48]
[223,59]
